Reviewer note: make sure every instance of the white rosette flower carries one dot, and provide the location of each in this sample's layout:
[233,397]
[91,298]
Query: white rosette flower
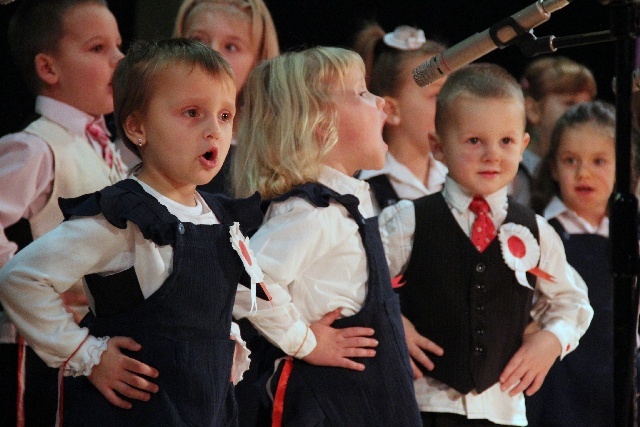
[241,244]
[520,250]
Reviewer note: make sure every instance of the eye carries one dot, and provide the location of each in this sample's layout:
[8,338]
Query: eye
[569,160]
[474,141]
[191,112]
[230,47]
[507,141]
[226,116]
[600,161]
[97,48]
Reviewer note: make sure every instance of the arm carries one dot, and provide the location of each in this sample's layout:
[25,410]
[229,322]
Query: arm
[30,287]
[285,246]
[26,173]
[562,311]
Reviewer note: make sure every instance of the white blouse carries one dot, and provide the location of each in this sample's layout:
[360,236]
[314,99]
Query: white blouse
[30,283]
[561,307]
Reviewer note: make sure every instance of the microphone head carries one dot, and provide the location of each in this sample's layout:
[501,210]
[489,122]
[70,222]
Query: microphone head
[429,71]
[3,2]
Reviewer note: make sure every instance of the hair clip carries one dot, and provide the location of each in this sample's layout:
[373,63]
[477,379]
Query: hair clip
[405,37]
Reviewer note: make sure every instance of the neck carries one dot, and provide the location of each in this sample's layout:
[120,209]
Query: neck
[414,157]
[180,193]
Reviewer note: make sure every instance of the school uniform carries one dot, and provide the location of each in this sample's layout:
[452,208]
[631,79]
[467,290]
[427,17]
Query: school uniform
[562,307]
[336,261]
[164,274]
[395,182]
[579,389]
[52,157]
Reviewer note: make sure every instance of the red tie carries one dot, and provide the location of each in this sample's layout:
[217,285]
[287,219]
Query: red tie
[97,132]
[483,231]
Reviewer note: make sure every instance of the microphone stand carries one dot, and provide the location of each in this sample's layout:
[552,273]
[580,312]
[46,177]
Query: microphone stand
[623,203]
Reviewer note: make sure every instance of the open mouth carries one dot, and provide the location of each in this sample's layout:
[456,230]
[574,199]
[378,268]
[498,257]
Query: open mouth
[210,157]
[584,189]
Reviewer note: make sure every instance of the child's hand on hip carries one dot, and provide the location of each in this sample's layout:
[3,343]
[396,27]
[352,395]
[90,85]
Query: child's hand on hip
[335,346]
[531,363]
[417,344]
[117,372]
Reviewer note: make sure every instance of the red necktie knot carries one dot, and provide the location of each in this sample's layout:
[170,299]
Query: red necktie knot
[98,133]
[482,231]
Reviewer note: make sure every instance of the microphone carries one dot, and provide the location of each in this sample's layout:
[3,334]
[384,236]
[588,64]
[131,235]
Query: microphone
[499,35]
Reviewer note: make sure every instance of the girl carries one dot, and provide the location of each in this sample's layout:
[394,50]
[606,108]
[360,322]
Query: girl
[550,85]
[410,171]
[320,240]
[156,256]
[242,31]
[572,189]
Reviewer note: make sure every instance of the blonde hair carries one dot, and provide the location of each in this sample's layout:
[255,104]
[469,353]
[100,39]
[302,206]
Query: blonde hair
[256,10]
[289,121]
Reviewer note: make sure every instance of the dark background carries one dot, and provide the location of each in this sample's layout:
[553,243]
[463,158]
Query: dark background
[303,23]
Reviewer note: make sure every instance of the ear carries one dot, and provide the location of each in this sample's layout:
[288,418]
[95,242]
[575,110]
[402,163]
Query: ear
[392,110]
[532,110]
[45,68]
[436,147]
[525,142]
[134,128]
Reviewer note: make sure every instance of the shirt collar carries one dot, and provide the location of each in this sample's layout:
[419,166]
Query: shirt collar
[572,222]
[459,198]
[344,184]
[69,117]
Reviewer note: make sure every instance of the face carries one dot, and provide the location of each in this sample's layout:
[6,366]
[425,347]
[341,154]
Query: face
[584,169]
[186,130]
[82,67]
[413,117]
[228,31]
[482,142]
[359,124]
[549,110]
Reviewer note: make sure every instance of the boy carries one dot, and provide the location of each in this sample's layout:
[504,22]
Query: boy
[473,298]
[66,51]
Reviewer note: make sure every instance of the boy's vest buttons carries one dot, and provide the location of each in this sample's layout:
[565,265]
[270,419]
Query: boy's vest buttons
[480,331]
[478,350]
[181,228]
[480,309]
[480,288]
[480,267]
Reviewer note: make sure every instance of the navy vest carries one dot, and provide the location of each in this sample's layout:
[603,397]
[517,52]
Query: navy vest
[467,302]
[383,393]
[383,191]
[183,327]
[578,390]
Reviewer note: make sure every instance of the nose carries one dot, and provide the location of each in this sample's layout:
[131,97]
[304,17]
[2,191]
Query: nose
[213,130]
[379,102]
[491,152]
[582,170]
[117,56]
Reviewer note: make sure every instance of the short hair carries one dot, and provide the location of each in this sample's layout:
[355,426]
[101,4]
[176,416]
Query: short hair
[557,74]
[261,21]
[385,64]
[134,77]
[483,80]
[600,113]
[37,27]
[289,121]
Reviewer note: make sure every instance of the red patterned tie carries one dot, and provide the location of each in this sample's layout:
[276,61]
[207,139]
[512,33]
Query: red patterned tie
[96,131]
[483,231]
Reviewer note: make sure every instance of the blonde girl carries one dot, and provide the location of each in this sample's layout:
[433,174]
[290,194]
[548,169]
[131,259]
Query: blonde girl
[321,243]
[572,190]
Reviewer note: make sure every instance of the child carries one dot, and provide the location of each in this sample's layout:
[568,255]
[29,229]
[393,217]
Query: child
[551,85]
[156,255]
[244,34]
[474,298]
[573,186]
[320,241]
[410,171]
[67,52]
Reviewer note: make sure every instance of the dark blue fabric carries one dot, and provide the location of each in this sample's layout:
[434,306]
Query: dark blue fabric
[381,395]
[578,391]
[183,327]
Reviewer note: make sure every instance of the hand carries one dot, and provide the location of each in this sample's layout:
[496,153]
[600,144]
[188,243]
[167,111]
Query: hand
[335,346]
[531,363]
[117,372]
[416,344]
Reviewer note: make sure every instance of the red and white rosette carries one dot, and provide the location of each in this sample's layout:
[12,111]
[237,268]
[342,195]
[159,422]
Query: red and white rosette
[521,252]
[241,244]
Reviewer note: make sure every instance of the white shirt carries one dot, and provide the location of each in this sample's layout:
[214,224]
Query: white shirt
[404,182]
[561,307]
[572,222]
[31,281]
[317,256]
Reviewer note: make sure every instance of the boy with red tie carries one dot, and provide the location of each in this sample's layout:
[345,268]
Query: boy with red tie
[479,267]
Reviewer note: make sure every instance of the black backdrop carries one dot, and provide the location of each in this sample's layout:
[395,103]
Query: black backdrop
[303,23]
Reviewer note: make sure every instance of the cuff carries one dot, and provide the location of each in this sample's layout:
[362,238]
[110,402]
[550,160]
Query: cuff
[86,357]
[565,334]
[241,355]
[299,339]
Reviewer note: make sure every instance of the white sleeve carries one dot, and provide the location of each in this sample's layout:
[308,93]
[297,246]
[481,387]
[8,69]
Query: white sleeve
[562,306]
[397,225]
[32,281]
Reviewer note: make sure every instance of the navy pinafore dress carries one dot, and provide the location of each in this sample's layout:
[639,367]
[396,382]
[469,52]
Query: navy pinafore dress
[381,395]
[183,327]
